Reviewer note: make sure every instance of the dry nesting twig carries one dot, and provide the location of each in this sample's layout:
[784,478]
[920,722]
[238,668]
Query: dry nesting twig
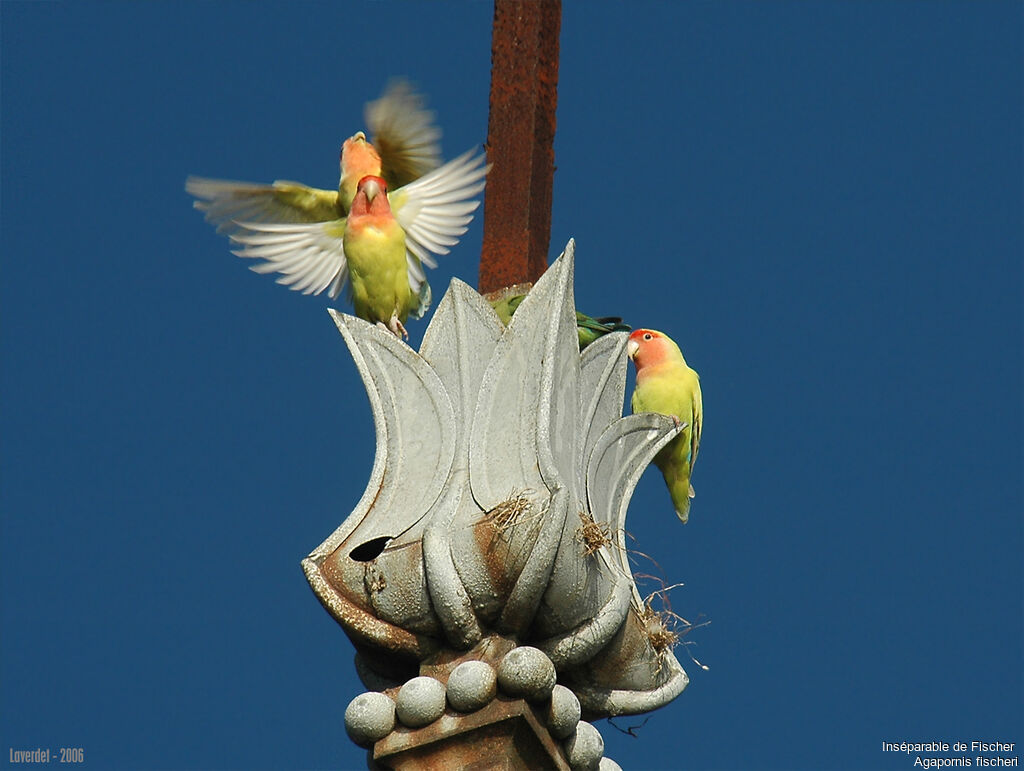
[658,627]
[631,730]
[632,554]
[665,627]
[594,535]
[508,513]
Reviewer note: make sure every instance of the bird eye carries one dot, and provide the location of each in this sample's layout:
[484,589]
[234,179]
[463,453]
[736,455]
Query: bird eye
[648,336]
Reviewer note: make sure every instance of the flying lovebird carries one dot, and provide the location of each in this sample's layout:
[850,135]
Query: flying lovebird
[665,384]
[588,329]
[375,250]
[404,146]
[300,231]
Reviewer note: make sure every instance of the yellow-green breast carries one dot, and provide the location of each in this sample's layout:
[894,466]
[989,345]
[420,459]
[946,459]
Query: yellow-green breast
[375,251]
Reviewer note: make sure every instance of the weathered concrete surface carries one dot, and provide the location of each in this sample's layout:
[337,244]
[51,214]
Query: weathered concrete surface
[506,734]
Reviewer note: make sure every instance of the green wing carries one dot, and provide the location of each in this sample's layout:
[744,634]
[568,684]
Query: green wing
[227,203]
[589,329]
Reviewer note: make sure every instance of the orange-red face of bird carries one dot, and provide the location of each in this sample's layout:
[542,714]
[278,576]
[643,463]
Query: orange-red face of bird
[371,197]
[358,157]
[648,347]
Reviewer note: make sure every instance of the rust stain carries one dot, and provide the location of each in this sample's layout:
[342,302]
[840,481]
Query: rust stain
[505,734]
[487,537]
[629,661]
[491,649]
[513,521]
[352,609]
[520,142]
[374,580]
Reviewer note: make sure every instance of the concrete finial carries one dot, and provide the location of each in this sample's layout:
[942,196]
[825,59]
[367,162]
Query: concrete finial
[497,501]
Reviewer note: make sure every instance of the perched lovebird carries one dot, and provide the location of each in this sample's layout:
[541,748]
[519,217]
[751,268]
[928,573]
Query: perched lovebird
[588,329]
[301,231]
[665,384]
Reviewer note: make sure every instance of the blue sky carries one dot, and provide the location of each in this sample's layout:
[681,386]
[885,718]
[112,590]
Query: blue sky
[820,202]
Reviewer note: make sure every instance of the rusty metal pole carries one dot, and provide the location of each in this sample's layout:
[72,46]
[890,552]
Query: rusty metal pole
[520,142]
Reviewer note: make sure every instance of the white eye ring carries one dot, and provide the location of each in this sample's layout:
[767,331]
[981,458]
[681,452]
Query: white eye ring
[648,336]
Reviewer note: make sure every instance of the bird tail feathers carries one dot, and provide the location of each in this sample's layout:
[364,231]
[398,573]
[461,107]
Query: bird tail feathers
[613,324]
[422,302]
[683,511]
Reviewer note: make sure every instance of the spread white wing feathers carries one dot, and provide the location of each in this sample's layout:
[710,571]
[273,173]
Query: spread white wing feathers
[310,256]
[436,209]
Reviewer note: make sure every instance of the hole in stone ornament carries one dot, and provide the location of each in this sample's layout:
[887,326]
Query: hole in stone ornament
[370,550]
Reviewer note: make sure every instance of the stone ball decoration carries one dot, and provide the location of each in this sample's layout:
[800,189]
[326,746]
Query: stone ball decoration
[585,747]
[420,702]
[523,672]
[496,445]
[369,717]
[563,712]
[471,685]
[527,672]
[607,764]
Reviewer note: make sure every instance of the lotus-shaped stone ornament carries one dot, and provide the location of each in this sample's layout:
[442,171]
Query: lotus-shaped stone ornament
[496,505]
